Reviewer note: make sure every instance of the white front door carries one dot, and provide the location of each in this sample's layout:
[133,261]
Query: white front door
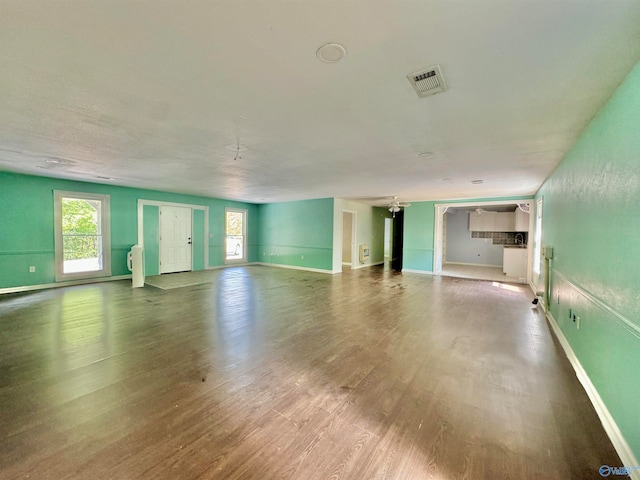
[175,239]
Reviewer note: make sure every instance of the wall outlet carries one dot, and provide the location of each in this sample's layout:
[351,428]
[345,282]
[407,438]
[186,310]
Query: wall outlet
[32,269]
[576,320]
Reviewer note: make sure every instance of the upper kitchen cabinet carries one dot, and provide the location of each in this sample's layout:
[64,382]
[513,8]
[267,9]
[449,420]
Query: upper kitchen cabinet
[482,221]
[522,221]
[505,222]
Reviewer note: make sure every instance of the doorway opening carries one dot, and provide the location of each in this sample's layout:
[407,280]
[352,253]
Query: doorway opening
[388,228]
[348,238]
[397,240]
[495,228]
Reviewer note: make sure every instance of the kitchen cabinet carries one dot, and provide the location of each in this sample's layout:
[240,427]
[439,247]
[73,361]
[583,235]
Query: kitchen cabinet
[521,221]
[482,222]
[505,222]
[514,262]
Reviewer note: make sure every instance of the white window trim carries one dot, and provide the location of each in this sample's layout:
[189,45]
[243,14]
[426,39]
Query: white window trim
[105,217]
[245,213]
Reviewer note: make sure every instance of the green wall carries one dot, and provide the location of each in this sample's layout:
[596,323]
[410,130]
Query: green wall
[151,227]
[297,234]
[591,218]
[417,253]
[27,232]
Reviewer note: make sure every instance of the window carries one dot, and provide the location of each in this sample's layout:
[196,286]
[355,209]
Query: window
[82,244]
[537,239]
[235,231]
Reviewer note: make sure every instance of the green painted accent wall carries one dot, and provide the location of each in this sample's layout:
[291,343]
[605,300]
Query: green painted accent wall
[198,239]
[591,218]
[27,232]
[289,231]
[150,222]
[419,226]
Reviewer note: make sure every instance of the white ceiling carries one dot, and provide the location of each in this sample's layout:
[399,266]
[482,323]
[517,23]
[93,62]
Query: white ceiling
[158,93]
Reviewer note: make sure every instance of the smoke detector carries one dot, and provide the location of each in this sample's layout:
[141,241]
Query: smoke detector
[331,53]
[427,82]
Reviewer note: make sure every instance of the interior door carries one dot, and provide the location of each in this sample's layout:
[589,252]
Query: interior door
[175,239]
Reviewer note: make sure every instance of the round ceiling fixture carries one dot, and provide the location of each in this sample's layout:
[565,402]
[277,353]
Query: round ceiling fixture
[331,53]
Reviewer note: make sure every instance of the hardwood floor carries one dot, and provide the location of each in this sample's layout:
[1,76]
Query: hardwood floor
[273,373]
[477,272]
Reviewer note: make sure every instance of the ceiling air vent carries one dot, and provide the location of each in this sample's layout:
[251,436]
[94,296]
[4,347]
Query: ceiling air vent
[427,82]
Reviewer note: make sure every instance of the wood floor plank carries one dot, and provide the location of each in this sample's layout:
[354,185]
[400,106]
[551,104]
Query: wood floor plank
[279,374]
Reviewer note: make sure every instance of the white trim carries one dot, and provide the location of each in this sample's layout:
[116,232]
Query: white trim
[245,221]
[419,272]
[346,264]
[355,257]
[158,203]
[366,265]
[293,267]
[105,235]
[155,203]
[66,283]
[611,428]
[441,208]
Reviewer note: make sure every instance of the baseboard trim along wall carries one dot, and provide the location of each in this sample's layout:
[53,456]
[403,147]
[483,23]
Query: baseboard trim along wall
[609,424]
[420,272]
[69,283]
[294,267]
[366,265]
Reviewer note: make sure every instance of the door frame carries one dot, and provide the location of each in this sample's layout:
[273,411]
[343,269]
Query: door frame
[161,249]
[155,203]
[438,231]
[245,257]
[354,250]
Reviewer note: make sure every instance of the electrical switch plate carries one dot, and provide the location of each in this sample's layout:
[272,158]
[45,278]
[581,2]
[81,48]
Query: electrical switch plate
[32,269]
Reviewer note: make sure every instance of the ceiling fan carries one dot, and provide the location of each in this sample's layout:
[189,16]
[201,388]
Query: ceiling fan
[395,205]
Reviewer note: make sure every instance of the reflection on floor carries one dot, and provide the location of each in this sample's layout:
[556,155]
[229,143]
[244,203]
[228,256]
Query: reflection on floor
[478,272]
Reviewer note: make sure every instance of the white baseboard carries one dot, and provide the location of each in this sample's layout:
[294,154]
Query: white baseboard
[421,272]
[615,435]
[293,267]
[367,265]
[69,283]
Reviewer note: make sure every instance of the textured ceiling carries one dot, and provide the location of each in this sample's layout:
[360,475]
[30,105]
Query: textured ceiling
[159,94]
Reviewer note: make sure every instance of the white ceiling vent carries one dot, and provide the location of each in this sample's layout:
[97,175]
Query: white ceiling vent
[427,82]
